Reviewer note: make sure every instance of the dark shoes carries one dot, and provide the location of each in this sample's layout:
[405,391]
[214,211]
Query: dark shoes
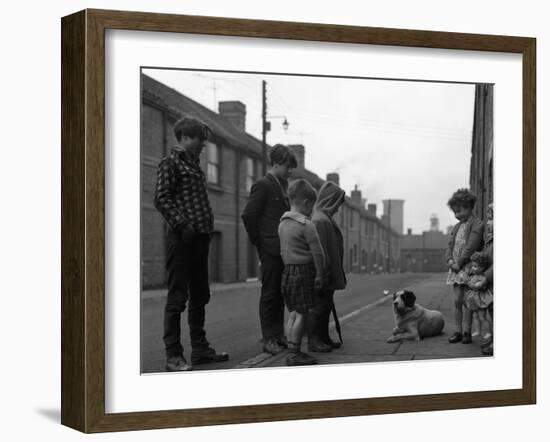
[299,358]
[177,363]
[456,337]
[486,342]
[282,342]
[332,343]
[487,350]
[272,347]
[318,346]
[207,355]
[466,338]
[487,347]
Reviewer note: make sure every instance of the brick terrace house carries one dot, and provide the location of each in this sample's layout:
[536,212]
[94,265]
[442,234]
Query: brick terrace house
[232,162]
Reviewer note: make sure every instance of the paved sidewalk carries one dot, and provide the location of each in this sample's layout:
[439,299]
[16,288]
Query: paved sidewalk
[215,287]
[366,330]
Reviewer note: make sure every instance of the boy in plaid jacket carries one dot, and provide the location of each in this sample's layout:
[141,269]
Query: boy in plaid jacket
[181,197]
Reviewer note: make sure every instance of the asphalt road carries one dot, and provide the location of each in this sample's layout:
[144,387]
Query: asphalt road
[232,322]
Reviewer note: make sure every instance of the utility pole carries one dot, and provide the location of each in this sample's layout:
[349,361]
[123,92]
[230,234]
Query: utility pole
[264,126]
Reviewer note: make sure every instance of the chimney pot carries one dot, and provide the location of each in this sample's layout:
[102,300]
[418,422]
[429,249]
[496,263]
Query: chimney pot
[235,112]
[300,152]
[333,177]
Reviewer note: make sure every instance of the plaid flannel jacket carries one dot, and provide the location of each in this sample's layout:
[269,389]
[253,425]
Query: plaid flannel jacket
[181,195]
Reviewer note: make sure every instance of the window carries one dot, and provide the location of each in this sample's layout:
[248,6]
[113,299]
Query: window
[213,164]
[250,175]
[370,228]
[351,218]
[355,253]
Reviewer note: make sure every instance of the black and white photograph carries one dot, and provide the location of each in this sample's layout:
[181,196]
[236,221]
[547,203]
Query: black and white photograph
[300,220]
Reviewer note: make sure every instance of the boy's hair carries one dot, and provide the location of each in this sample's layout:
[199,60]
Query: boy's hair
[301,190]
[281,154]
[481,259]
[462,198]
[190,127]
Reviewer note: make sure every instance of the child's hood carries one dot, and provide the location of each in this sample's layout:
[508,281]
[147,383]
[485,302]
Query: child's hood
[330,198]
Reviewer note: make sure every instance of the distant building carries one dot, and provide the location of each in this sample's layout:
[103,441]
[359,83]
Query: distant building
[232,162]
[424,252]
[434,223]
[393,209]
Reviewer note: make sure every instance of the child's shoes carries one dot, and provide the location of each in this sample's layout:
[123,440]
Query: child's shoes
[294,359]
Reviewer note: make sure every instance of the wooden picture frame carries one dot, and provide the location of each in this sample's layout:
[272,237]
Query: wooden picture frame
[83,220]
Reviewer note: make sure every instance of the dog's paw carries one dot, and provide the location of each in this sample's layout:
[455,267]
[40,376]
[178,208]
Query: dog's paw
[392,339]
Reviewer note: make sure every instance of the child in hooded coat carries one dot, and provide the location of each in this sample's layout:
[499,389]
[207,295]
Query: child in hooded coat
[329,200]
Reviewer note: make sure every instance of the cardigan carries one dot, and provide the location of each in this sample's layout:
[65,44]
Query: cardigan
[474,241]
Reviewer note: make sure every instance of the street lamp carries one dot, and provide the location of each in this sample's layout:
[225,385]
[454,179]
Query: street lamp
[286,124]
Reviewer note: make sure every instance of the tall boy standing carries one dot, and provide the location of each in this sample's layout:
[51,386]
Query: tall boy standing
[182,199]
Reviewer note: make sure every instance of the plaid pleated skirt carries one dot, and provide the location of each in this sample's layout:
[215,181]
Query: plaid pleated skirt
[297,287]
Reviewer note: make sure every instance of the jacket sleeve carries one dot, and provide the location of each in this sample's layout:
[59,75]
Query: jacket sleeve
[316,248]
[474,242]
[450,245]
[253,210]
[165,195]
[323,233]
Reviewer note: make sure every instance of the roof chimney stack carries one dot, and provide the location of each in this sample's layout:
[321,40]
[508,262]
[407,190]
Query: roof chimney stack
[334,177]
[371,208]
[300,152]
[235,112]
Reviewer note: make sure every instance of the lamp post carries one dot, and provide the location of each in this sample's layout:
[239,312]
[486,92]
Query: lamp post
[285,123]
[267,128]
[266,125]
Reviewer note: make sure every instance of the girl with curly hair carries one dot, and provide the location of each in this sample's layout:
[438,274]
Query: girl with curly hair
[466,238]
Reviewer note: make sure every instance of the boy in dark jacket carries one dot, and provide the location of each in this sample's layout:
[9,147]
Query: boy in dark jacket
[267,202]
[329,200]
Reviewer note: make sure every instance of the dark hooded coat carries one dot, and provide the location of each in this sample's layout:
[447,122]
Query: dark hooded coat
[329,199]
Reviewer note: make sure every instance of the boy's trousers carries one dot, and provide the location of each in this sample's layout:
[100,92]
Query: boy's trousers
[272,307]
[187,266]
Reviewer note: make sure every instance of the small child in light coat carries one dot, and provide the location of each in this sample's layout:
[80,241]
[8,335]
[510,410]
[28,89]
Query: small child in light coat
[304,262]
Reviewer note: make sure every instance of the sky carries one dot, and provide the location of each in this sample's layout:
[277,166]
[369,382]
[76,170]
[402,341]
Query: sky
[392,139]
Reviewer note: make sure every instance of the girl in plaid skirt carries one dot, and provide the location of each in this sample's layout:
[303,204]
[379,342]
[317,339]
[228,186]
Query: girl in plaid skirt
[304,261]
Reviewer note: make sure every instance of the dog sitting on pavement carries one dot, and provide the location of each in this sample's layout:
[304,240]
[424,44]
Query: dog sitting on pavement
[412,321]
